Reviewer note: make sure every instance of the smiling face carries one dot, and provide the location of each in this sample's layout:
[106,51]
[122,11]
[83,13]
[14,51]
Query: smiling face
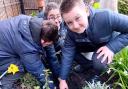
[76,19]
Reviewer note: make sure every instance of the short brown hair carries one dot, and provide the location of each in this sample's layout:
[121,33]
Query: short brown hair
[50,6]
[49,31]
[67,5]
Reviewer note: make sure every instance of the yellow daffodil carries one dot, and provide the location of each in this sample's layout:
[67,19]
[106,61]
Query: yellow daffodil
[12,69]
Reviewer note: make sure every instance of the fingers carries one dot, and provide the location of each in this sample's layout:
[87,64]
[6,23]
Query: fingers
[100,54]
[99,50]
[106,53]
[109,59]
[104,58]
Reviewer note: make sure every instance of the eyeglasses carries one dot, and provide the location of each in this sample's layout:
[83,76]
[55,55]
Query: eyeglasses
[54,17]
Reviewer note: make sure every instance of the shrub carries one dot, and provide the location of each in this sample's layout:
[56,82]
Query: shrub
[119,69]
[123,6]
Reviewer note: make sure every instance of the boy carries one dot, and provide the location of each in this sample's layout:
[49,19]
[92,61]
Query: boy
[91,30]
[52,13]
[21,41]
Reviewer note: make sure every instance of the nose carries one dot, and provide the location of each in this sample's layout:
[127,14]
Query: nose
[56,21]
[75,25]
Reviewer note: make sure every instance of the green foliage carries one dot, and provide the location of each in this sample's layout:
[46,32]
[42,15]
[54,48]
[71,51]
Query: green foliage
[96,85]
[123,6]
[29,82]
[47,81]
[33,14]
[120,69]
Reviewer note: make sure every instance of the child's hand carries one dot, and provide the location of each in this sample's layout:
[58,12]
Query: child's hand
[63,84]
[106,53]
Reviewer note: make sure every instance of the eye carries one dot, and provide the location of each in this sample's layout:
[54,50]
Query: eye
[58,16]
[69,23]
[51,18]
[77,18]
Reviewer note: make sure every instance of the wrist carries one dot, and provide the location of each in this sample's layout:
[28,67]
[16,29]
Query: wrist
[61,80]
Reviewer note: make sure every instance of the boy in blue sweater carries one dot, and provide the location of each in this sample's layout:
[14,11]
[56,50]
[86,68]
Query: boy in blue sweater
[91,30]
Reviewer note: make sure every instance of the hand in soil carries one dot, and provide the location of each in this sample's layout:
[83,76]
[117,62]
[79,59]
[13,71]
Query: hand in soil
[63,84]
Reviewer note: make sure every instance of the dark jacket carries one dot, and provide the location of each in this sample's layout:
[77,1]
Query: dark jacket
[52,49]
[102,25]
[18,47]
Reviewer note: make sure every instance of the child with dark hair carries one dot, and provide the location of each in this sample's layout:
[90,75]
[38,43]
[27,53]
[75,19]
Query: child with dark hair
[52,13]
[91,30]
[21,41]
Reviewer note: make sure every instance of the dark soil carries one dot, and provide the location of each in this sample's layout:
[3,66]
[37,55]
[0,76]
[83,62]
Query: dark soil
[77,80]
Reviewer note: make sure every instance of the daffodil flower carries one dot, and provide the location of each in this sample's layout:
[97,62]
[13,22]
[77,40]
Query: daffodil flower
[11,69]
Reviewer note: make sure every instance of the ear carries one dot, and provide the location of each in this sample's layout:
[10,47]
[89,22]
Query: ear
[42,41]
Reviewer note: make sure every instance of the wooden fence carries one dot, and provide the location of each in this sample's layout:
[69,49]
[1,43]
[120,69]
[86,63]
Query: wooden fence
[30,6]
[57,1]
[9,8]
